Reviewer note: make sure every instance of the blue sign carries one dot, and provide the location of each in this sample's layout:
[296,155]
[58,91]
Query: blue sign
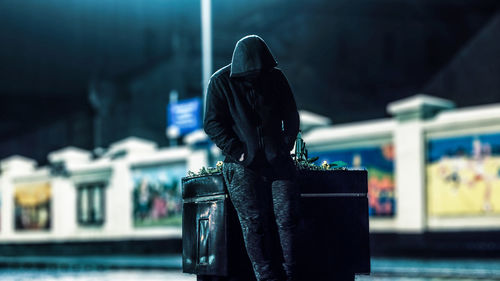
[184,116]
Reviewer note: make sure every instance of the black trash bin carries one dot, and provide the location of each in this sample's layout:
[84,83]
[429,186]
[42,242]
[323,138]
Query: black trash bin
[212,242]
[333,232]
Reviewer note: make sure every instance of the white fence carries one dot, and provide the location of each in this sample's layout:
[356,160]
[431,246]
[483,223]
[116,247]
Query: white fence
[51,210]
[426,135]
[431,168]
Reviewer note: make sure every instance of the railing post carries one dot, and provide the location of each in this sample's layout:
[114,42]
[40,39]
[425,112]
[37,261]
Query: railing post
[410,153]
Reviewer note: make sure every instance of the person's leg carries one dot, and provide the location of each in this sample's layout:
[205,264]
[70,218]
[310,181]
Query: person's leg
[248,194]
[286,199]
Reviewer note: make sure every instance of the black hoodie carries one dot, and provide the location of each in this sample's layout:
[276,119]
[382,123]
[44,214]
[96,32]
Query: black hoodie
[250,106]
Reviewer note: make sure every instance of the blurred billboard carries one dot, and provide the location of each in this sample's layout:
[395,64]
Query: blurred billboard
[157,198]
[379,162]
[32,206]
[463,175]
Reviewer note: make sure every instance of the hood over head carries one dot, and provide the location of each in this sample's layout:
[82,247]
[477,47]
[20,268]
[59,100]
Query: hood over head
[251,55]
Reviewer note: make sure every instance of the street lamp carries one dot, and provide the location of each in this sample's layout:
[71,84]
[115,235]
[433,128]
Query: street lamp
[206,46]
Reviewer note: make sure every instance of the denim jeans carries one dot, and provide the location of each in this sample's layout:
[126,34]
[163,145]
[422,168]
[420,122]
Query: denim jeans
[267,204]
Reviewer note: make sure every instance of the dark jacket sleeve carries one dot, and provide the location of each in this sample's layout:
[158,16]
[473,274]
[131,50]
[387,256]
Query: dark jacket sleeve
[289,113]
[217,123]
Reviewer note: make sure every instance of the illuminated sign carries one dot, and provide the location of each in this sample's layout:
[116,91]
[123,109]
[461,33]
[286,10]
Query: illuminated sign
[183,117]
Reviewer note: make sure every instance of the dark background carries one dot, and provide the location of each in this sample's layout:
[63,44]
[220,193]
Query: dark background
[344,59]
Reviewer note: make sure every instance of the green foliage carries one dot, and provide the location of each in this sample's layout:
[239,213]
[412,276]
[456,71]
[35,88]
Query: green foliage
[206,171]
[300,165]
[310,165]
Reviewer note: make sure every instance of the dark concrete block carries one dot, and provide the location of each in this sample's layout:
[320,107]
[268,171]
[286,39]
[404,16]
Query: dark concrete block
[333,229]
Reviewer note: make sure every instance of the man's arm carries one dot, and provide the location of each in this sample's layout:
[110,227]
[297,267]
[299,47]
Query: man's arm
[289,113]
[217,123]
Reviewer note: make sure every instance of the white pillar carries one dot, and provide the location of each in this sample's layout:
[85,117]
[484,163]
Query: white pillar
[64,222]
[118,220]
[119,206]
[70,156]
[198,157]
[7,214]
[64,213]
[410,153]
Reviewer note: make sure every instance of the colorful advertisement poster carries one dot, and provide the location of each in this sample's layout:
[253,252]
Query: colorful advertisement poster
[463,175]
[379,162]
[32,206]
[157,197]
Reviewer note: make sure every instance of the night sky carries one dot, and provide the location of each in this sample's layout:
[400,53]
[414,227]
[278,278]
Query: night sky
[344,59]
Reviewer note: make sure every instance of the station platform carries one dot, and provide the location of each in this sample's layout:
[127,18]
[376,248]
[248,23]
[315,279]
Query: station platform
[160,262]
[476,269]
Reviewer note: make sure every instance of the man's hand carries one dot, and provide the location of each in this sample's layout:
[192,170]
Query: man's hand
[242,157]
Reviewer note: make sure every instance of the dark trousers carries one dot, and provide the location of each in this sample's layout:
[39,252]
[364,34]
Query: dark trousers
[266,200]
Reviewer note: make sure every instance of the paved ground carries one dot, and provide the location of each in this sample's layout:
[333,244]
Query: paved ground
[164,268]
[100,262]
[155,275]
[450,269]
[85,275]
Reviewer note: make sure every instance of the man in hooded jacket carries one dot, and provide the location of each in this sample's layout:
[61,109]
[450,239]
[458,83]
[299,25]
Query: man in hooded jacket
[251,115]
